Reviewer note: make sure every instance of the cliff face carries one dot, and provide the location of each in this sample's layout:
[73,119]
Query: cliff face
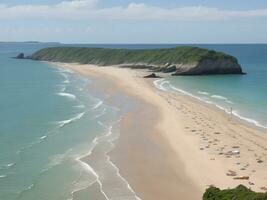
[176,61]
[210,66]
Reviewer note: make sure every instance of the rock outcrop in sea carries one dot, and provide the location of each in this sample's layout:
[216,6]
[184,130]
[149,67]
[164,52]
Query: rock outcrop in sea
[153,75]
[20,56]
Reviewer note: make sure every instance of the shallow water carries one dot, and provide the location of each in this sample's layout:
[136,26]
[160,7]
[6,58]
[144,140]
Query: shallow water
[51,119]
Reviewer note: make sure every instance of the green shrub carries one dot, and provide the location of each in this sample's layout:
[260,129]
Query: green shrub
[239,193]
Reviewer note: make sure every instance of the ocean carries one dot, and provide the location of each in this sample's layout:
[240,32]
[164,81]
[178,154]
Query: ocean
[51,118]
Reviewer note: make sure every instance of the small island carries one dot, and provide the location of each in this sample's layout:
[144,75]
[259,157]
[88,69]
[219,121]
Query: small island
[182,60]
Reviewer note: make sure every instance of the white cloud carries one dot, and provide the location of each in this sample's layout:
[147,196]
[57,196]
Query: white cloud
[76,4]
[87,9]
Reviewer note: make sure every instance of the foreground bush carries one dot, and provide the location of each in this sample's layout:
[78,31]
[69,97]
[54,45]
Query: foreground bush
[238,193]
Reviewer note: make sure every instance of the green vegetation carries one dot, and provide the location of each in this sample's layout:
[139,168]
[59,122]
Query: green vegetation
[238,193]
[100,56]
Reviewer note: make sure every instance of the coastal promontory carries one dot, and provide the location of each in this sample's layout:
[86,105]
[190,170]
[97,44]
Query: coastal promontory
[182,60]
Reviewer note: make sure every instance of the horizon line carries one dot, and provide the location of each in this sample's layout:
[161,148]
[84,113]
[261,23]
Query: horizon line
[141,43]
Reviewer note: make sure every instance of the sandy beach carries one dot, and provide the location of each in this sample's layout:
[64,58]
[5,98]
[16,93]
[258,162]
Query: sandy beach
[174,146]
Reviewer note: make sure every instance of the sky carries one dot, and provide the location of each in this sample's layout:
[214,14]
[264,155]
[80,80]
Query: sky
[134,21]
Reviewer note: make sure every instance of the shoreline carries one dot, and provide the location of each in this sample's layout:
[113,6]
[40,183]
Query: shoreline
[182,125]
[249,122]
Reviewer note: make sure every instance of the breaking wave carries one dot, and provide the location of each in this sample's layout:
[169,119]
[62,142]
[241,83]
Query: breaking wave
[73,119]
[68,95]
[204,93]
[97,105]
[221,98]
[160,84]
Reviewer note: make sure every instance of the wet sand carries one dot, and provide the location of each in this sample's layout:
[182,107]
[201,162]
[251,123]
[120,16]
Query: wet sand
[173,146]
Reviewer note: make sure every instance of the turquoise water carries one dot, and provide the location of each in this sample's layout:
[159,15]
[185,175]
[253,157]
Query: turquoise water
[245,94]
[51,118]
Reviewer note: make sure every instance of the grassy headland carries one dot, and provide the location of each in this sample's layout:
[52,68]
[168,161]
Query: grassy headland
[182,60]
[100,56]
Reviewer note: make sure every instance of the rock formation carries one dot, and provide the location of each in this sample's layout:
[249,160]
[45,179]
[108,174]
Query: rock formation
[20,56]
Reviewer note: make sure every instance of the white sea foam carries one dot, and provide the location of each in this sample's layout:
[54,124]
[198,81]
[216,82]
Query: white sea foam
[97,105]
[61,87]
[37,141]
[253,121]
[116,168]
[79,186]
[79,106]
[218,97]
[3,176]
[221,98]
[186,93]
[83,181]
[7,166]
[30,187]
[43,137]
[91,170]
[66,81]
[73,119]
[80,89]
[10,164]
[65,70]
[230,102]
[100,114]
[160,84]
[65,76]
[68,95]
[122,178]
[101,124]
[88,168]
[204,93]
[202,99]
[56,160]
